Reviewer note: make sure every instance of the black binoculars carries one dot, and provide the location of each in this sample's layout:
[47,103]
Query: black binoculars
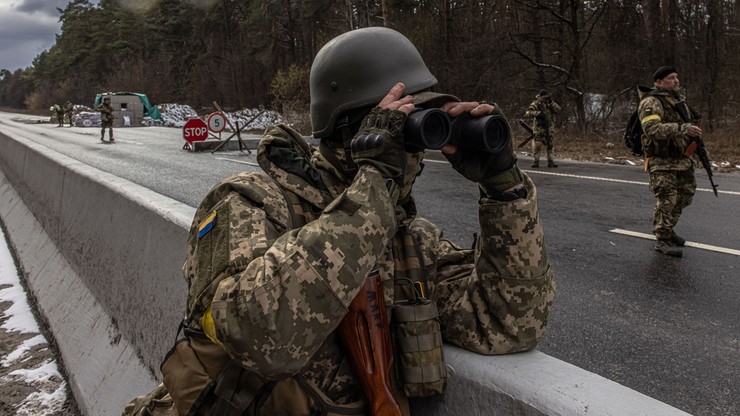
[433,129]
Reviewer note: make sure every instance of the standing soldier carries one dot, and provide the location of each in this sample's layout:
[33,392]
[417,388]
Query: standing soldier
[669,125]
[106,118]
[59,111]
[543,109]
[69,109]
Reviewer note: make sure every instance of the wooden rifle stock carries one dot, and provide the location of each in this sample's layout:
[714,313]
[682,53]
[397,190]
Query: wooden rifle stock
[366,335]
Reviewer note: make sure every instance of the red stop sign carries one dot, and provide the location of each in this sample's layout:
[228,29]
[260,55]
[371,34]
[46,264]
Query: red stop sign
[195,130]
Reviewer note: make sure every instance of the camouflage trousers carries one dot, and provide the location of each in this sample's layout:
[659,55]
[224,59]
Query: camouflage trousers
[674,190]
[542,139]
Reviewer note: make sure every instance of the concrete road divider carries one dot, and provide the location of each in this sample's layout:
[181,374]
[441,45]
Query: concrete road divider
[102,257]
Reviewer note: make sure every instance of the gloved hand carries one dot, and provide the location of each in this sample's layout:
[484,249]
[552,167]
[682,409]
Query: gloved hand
[494,172]
[379,143]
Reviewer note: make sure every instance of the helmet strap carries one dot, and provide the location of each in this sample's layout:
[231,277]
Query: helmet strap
[347,136]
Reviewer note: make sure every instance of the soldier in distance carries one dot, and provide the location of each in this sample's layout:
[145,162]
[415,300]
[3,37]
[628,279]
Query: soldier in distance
[106,119]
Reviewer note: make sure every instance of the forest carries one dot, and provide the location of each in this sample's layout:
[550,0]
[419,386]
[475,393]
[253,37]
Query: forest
[590,55]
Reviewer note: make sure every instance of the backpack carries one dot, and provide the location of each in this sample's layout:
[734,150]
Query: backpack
[633,132]
[633,135]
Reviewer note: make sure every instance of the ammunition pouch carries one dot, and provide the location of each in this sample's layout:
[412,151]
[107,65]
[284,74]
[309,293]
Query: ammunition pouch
[671,148]
[420,364]
[190,370]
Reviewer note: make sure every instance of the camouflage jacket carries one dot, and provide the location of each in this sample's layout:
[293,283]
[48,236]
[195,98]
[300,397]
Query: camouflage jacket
[664,138]
[543,112]
[106,112]
[277,302]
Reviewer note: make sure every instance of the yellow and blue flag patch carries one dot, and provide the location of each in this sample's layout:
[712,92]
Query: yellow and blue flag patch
[206,225]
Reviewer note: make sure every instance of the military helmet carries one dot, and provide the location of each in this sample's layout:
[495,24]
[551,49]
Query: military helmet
[357,69]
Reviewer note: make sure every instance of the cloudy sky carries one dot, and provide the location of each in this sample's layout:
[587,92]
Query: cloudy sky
[27,27]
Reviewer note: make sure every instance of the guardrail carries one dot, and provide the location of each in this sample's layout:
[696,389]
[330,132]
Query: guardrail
[102,257]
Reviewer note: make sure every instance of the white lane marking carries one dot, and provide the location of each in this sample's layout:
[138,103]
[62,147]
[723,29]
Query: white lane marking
[597,178]
[435,161]
[592,178]
[117,140]
[129,141]
[238,161]
[688,243]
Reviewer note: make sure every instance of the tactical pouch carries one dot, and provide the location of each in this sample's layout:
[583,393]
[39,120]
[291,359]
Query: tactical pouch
[185,375]
[419,355]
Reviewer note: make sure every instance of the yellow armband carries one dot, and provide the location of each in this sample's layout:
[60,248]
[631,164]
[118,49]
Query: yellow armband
[209,327]
[651,117]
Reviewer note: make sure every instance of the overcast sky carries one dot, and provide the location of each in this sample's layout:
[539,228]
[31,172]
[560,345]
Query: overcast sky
[27,27]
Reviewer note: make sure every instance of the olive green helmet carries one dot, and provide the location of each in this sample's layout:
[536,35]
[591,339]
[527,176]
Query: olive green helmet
[357,69]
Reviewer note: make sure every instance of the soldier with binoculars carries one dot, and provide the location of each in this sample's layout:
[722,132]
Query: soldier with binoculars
[290,271]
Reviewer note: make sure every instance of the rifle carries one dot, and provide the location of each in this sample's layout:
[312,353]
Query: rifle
[366,335]
[529,130]
[696,145]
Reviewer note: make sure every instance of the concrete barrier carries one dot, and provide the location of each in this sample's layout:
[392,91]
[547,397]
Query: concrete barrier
[102,257]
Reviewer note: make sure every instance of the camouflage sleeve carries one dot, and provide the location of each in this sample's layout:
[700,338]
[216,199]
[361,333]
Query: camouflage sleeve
[498,302]
[652,116]
[276,314]
[532,110]
[555,107]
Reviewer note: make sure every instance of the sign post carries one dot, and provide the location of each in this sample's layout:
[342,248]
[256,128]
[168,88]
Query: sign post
[194,130]
[236,132]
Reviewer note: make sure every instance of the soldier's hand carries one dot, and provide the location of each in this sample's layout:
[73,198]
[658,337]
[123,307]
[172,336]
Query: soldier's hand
[395,100]
[379,142]
[477,166]
[693,131]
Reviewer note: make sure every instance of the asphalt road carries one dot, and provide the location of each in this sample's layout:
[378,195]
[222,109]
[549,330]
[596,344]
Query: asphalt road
[663,326]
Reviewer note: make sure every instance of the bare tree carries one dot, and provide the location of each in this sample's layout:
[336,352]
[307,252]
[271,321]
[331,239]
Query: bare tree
[567,26]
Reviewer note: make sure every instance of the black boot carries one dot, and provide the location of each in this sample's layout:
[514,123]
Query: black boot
[677,239]
[666,247]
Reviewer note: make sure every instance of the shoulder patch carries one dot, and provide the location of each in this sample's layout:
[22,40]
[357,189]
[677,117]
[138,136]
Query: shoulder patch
[206,225]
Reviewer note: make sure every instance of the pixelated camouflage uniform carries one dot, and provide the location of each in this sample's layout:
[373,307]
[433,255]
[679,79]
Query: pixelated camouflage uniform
[543,111]
[60,114]
[106,114]
[285,254]
[665,140]
[106,119]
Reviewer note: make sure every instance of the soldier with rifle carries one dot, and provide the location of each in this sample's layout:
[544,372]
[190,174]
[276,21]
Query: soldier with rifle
[671,139]
[106,118]
[314,286]
[543,110]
